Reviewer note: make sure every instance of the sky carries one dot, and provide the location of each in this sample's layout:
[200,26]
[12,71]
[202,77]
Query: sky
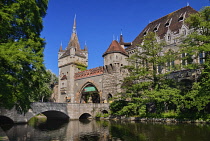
[99,22]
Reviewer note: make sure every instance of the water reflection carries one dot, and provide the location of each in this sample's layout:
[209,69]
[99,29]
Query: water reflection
[92,130]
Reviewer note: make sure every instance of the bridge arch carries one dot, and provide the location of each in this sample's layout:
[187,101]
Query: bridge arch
[90,93]
[85,116]
[52,114]
[6,120]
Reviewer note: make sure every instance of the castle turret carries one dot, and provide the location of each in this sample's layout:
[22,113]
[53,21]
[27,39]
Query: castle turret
[115,57]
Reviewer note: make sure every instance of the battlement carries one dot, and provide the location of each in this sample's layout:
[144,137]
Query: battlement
[88,73]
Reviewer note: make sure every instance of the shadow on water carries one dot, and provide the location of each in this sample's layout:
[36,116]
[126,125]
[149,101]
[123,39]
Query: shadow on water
[51,125]
[85,121]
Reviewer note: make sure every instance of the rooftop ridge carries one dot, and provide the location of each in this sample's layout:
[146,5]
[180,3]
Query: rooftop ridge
[169,14]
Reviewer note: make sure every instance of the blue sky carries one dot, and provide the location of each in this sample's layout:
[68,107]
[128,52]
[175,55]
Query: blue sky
[99,21]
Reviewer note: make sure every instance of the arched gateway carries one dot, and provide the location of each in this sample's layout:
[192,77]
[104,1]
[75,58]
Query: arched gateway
[89,93]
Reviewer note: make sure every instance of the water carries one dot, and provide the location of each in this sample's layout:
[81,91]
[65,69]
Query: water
[92,130]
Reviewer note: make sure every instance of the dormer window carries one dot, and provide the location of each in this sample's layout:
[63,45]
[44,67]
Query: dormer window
[181,19]
[167,24]
[155,29]
[145,33]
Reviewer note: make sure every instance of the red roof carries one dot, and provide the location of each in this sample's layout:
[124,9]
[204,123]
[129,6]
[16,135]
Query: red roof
[115,47]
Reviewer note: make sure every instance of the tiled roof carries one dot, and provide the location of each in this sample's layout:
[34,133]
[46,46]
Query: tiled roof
[74,42]
[115,48]
[172,21]
[77,53]
[89,73]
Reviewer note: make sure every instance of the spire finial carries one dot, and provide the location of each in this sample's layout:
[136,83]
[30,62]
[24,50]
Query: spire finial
[61,48]
[74,26]
[188,4]
[121,32]
[85,48]
[121,37]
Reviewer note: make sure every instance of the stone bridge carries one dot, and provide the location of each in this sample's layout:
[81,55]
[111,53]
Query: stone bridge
[64,111]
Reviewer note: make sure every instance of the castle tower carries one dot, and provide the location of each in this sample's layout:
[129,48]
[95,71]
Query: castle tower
[115,58]
[70,61]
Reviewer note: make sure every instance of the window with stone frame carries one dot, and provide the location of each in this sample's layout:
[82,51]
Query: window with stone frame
[186,59]
[201,57]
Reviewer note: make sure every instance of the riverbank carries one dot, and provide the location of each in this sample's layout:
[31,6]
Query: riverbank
[162,120]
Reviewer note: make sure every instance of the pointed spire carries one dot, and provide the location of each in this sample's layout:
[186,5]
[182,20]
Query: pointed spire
[74,26]
[85,48]
[188,4]
[74,42]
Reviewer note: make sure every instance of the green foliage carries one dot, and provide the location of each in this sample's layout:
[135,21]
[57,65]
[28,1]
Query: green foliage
[81,66]
[170,114]
[22,72]
[105,115]
[116,106]
[48,82]
[149,94]
[144,85]
[98,115]
[196,100]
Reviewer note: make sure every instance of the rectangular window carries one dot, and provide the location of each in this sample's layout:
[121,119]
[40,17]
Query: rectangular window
[201,58]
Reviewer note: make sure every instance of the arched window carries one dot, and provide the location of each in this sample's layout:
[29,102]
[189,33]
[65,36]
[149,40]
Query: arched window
[109,98]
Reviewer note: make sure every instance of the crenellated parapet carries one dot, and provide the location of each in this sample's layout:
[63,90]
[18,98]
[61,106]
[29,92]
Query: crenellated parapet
[88,73]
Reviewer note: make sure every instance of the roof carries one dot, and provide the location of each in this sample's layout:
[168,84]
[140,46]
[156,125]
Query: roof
[172,22]
[73,42]
[77,53]
[115,47]
[89,73]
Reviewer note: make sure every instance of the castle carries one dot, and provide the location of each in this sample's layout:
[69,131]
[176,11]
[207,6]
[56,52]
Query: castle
[98,85]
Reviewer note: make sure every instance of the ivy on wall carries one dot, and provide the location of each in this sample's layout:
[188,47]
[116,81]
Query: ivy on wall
[81,66]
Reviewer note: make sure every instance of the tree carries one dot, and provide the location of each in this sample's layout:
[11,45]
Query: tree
[49,80]
[197,44]
[22,71]
[145,85]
